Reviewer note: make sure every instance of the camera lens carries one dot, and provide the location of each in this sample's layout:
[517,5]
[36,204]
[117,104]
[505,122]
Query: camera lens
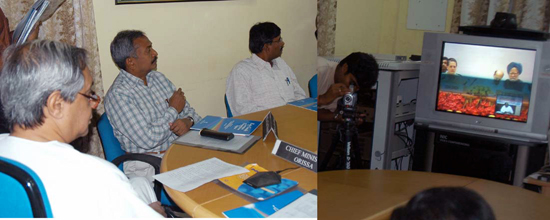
[347,99]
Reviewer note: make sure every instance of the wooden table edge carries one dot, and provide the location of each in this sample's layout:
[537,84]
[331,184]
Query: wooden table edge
[188,205]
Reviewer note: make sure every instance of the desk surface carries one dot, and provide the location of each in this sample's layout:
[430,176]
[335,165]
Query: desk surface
[373,194]
[296,125]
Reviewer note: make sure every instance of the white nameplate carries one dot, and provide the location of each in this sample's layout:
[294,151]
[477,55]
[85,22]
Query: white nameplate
[296,155]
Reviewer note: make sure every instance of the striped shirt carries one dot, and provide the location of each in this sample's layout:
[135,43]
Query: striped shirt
[140,114]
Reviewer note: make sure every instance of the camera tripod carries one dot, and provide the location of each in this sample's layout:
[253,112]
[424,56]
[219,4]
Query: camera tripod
[347,134]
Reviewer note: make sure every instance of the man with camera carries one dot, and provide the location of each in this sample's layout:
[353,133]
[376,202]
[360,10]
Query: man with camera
[359,69]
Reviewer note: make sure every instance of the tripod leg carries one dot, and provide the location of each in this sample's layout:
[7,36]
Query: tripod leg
[330,152]
[357,161]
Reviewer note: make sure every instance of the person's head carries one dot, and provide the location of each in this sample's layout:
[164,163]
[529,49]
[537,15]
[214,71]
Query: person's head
[47,84]
[506,104]
[266,38]
[498,75]
[445,203]
[132,51]
[451,68]
[359,68]
[514,70]
[444,64]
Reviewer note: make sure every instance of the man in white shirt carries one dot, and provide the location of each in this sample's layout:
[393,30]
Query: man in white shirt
[506,109]
[334,80]
[264,80]
[48,102]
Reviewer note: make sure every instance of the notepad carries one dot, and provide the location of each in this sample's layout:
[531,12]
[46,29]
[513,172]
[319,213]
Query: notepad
[230,125]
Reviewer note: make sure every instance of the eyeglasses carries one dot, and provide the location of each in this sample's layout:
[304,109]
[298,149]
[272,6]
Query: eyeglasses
[93,99]
[280,39]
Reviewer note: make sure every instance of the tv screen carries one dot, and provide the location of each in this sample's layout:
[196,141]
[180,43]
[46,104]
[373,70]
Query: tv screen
[488,86]
[486,81]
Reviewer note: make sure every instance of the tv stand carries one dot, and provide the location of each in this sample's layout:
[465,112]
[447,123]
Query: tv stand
[463,154]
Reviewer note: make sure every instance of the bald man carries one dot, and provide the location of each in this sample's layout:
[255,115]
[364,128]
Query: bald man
[497,76]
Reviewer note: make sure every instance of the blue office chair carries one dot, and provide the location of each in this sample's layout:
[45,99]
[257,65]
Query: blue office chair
[115,154]
[22,194]
[227,108]
[312,86]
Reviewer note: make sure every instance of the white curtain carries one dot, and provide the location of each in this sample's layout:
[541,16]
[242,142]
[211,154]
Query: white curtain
[326,27]
[530,14]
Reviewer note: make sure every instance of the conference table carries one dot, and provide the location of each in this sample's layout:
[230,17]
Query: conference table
[374,194]
[296,125]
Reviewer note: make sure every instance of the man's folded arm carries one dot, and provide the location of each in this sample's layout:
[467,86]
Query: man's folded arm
[129,119]
[189,111]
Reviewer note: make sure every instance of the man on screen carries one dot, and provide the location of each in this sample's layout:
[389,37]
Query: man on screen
[513,81]
[506,109]
[444,64]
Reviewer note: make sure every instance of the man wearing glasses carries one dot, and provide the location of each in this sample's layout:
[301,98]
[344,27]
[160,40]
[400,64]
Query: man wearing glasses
[264,80]
[146,110]
[48,102]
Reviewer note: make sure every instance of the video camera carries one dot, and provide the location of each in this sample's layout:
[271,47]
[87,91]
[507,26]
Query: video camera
[347,104]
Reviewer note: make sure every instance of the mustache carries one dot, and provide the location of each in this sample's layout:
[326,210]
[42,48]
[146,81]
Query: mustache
[154,60]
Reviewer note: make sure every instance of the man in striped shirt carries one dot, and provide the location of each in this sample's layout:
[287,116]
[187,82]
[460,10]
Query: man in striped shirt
[146,110]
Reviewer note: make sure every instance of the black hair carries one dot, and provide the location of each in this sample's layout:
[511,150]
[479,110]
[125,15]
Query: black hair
[261,34]
[122,46]
[453,60]
[445,58]
[445,203]
[363,67]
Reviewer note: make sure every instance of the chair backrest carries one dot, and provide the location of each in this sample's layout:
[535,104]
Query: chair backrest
[22,194]
[111,146]
[227,108]
[312,86]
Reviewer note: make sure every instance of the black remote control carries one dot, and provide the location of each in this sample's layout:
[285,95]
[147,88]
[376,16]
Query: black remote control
[216,134]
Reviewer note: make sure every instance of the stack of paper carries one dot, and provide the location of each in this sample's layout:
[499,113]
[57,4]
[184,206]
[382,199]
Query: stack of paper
[192,176]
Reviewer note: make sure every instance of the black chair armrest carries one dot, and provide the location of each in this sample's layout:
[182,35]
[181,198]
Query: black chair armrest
[150,159]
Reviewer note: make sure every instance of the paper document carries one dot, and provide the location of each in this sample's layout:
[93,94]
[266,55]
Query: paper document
[303,207]
[192,176]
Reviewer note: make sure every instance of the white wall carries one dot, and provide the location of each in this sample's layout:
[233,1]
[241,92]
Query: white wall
[199,42]
[378,26]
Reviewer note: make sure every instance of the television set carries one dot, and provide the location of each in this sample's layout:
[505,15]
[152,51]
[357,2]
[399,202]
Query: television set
[493,87]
